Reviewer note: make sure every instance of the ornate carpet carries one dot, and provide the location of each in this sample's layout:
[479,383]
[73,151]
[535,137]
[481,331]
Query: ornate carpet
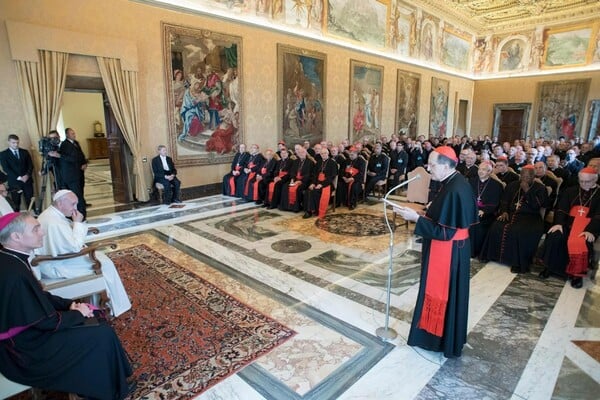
[183,334]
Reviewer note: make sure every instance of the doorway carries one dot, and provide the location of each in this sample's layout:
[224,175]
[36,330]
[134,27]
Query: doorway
[511,121]
[108,176]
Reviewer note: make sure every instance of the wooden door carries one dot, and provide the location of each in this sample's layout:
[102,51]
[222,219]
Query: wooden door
[511,125]
[120,157]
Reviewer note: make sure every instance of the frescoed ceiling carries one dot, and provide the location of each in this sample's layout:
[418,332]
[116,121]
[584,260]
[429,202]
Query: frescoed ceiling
[502,16]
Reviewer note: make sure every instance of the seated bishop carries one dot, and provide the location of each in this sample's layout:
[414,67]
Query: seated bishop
[68,236]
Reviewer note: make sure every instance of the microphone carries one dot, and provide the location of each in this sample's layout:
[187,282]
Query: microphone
[406,182]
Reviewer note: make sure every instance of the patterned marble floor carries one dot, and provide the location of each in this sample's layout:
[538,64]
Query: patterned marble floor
[528,339]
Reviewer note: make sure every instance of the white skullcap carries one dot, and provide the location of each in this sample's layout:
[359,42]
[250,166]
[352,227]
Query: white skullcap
[60,194]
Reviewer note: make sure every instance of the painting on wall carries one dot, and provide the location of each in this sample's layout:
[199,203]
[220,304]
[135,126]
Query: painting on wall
[570,46]
[366,86]
[438,113]
[303,14]
[560,108]
[512,55]
[301,87]
[407,103]
[455,50]
[403,31]
[363,21]
[428,40]
[203,82]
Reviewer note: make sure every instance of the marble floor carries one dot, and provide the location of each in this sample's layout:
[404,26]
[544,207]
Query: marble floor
[528,338]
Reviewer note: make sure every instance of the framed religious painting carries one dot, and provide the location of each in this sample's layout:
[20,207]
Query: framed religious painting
[363,21]
[408,88]
[560,108]
[301,94]
[438,112]
[366,87]
[569,46]
[204,94]
[456,47]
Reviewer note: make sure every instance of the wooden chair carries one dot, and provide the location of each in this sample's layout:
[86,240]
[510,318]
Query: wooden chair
[82,286]
[382,185]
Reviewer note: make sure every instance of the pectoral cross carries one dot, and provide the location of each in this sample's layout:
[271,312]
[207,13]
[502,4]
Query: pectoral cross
[518,204]
[581,211]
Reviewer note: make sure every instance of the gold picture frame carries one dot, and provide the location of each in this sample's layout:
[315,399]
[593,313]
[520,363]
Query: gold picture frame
[366,94]
[570,46]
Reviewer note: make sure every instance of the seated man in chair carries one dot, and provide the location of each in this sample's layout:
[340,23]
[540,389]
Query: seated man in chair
[44,342]
[65,236]
[165,173]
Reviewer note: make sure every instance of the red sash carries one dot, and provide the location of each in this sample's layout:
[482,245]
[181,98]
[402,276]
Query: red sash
[437,284]
[325,195]
[353,172]
[251,176]
[293,189]
[576,245]
[272,185]
[232,181]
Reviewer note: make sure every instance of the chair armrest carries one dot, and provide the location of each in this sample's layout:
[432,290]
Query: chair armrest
[89,251]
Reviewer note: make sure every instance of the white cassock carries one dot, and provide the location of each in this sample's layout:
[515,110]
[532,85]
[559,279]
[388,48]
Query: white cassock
[5,207]
[64,236]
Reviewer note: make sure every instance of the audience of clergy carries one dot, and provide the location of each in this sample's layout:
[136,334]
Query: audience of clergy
[489,166]
[42,344]
[66,233]
[514,235]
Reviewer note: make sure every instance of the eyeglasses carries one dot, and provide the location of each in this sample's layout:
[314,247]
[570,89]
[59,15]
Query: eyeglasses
[587,182]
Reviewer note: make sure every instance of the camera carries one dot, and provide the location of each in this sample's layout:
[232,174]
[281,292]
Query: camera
[48,144]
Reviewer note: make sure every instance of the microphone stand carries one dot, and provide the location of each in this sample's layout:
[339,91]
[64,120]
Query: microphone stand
[385,332]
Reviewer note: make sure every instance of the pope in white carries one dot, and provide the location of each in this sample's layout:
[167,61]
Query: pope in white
[66,236]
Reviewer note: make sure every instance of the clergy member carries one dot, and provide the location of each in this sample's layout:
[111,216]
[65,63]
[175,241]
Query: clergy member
[302,175]
[318,193]
[44,342]
[487,191]
[514,236]
[257,186]
[165,173]
[441,313]
[68,236]
[232,182]
[255,161]
[281,177]
[351,185]
[568,246]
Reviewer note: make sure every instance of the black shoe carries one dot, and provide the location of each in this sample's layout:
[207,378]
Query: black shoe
[271,208]
[265,205]
[545,274]
[419,240]
[515,270]
[177,201]
[258,202]
[351,207]
[306,215]
[577,282]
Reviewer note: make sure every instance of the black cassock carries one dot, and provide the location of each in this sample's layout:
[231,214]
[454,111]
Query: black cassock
[56,351]
[514,242]
[452,208]
[487,197]
[302,175]
[554,252]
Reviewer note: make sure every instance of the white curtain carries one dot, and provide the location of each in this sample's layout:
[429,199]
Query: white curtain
[42,85]
[122,91]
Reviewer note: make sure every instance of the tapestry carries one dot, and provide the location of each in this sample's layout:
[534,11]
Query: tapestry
[183,334]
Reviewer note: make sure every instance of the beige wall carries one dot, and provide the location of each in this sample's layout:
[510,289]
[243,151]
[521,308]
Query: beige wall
[80,111]
[521,90]
[107,20]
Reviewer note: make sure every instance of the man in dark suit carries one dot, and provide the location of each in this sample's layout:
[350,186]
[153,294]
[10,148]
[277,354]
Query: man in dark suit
[165,173]
[72,167]
[17,165]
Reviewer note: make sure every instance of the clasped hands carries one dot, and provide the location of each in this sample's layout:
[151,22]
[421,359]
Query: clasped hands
[83,308]
[589,237]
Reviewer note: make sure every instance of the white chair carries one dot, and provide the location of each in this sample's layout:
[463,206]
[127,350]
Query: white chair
[82,286]
[10,388]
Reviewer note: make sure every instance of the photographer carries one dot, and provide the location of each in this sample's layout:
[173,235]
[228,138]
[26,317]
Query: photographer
[48,147]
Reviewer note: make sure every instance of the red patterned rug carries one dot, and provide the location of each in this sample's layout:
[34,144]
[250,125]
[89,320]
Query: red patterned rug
[183,334]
